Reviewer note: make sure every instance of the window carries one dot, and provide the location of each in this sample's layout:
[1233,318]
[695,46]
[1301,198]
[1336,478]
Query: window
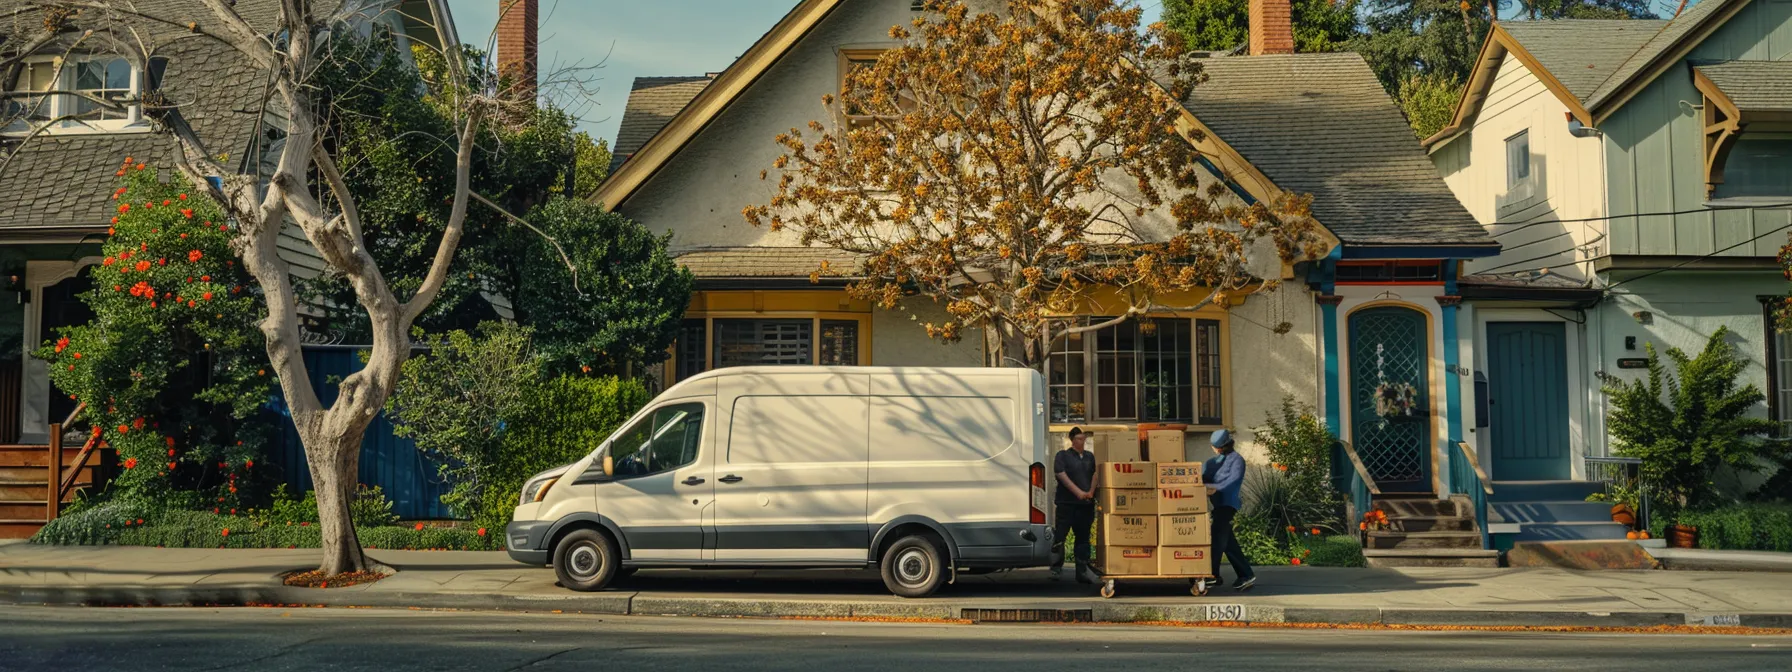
[853,60]
[666,440]
[839,343]
[1518,159]
[762,342]
[1759,164]
[1389,272]
[96,78]
[693,343]
[1779,365]
[1150,370]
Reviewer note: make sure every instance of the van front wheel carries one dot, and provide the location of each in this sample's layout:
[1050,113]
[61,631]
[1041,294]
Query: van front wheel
[913,567]
[586,561]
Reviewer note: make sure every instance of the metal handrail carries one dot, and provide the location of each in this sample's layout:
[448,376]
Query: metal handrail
[1477,492]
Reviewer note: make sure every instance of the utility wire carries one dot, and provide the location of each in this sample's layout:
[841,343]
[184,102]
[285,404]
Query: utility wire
[1682,264]
[1520,227]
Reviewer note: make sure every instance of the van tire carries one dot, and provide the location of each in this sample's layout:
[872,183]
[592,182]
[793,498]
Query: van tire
[913,566]
[586,560]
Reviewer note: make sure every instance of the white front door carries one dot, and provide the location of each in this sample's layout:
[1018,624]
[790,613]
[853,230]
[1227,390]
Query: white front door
[661,484]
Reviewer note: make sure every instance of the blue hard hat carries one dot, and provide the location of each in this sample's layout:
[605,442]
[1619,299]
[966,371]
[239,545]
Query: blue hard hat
[1221,438]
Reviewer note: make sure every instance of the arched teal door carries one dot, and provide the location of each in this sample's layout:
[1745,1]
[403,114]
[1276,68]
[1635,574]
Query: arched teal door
[1389,358]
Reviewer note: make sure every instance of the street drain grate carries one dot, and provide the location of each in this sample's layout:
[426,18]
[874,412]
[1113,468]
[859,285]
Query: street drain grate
[1028,615]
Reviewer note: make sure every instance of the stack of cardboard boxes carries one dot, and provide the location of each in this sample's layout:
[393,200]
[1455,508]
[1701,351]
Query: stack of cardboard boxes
[1154,519]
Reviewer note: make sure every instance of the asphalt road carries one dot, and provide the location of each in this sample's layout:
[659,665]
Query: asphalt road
[261,639]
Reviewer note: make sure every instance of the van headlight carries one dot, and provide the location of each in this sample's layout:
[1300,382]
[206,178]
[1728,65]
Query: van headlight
[537,488]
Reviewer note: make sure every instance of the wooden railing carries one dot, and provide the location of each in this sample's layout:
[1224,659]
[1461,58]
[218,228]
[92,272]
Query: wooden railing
[1469,479]
[1362,487]
[62,480]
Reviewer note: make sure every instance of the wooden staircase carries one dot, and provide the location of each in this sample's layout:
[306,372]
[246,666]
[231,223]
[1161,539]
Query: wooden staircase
[29,474]
[1426,532]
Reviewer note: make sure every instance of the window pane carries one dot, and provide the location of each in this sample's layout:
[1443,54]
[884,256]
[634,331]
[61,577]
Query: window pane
[761,342]
[1167,386]
[1207,361]
[118,74]
[1067,379]
[90,75]
[691,349]
[628,452]
[678,435]
[1116,371]
[839,343]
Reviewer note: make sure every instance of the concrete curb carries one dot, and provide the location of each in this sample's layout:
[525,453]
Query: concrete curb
[631,603]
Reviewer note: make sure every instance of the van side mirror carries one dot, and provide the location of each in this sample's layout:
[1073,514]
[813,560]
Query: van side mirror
[609,466]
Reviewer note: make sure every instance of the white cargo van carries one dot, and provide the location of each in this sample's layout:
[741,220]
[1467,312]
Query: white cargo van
[919,472]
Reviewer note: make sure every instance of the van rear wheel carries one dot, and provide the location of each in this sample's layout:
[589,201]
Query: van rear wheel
[586,561]
[913,567]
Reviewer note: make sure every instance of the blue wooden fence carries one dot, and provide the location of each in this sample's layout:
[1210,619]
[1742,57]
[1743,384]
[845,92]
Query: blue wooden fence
[408,477]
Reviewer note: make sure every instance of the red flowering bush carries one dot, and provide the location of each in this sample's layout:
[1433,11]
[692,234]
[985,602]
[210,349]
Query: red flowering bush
[167,367]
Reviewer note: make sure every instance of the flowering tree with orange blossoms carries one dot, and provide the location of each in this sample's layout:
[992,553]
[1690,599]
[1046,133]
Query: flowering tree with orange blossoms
[168,367]
[1007,164]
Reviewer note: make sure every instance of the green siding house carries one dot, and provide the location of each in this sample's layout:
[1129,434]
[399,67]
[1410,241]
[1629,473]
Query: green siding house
[1638,176]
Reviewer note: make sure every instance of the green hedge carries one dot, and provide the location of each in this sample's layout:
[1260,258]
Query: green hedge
[118,525]
[1738,527]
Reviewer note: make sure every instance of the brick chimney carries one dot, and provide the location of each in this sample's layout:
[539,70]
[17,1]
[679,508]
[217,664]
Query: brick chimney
[517,45]
[1272,27]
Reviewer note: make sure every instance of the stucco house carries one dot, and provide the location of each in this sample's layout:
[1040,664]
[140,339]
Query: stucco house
[1381,308]
[1637,175]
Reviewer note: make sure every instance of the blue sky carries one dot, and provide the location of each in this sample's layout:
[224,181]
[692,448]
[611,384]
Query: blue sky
[635,38]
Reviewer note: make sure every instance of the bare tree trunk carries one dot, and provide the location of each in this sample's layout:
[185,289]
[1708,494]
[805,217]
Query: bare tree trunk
[335,461]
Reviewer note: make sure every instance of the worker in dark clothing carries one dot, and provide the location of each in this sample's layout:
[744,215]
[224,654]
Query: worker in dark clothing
[1224,475]
[1076,473]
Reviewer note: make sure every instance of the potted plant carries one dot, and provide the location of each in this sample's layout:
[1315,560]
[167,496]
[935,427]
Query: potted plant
[1681,535]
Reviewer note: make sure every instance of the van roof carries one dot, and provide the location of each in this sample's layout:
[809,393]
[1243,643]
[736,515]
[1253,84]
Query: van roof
[786,370]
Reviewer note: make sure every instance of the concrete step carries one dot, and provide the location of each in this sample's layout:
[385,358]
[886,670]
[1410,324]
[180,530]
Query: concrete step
[1550,512]
[1571,532]
[1433,524]
[1544,491]
[1431,557]
[1391,540]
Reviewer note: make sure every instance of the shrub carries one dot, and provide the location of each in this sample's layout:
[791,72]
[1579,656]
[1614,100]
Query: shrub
[99,524]
[1740,527]
[1296,490]
[561,421]
[1687,424]
[172,366]
[370,508]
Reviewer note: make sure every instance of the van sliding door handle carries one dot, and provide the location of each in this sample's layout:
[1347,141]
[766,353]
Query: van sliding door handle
[693,481]
[731,478]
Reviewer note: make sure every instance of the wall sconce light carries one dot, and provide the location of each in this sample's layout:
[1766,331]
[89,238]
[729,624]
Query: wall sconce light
[15,279]
[1644,317]
[1629,342]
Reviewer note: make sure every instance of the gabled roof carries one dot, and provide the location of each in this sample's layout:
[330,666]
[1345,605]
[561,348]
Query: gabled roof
[652,103]
[1322,124]
[1592,65]
[718,263]
[1582,53]
[1753,86]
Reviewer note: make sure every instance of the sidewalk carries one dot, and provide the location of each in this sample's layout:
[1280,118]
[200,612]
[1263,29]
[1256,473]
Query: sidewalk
[118,576]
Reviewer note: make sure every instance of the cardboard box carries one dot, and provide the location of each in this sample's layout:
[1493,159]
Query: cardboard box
[1128,475]
[1128,530]
[1165,445]
[1184,560]
[1186,529]
[1116,447]
[1173,474]
[1129,560]
[1182,499]
[1128,501]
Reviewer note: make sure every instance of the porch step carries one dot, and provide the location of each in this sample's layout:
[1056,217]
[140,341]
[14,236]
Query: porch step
[1391,540]
[1433,524]
[1417,507]
[1544,491]
[20,529]
[1431,557]
[1606,531]
[34,456]
[1550,512]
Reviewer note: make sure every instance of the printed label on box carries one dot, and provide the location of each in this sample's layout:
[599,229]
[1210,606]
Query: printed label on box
[1184,560]
[1189,529]
[1129,560]
[1178,473]
[1127,500]
[1129,475]
[1128,530]
[1184,499]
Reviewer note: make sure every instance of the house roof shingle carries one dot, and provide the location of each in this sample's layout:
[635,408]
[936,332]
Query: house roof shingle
[1321,124]
[1583,53]
[63,179]
[763,262]
[652,102]
[1753,85]
[1664,39]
